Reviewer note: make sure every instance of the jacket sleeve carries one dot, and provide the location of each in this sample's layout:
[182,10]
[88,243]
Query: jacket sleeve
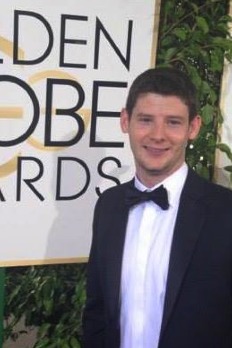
[93,316]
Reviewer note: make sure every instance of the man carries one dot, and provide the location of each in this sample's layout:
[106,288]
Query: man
[160,274]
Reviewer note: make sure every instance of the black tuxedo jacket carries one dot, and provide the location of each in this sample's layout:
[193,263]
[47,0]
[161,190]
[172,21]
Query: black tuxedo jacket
[198,303]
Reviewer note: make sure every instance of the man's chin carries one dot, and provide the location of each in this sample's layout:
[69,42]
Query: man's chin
[155,170]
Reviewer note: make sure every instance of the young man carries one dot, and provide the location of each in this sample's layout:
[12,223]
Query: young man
[160,268]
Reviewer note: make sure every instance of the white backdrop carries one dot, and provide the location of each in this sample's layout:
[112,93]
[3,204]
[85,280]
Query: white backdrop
[65,67]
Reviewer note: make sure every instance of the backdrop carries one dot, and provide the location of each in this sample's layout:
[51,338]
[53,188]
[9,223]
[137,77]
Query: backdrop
[65,69]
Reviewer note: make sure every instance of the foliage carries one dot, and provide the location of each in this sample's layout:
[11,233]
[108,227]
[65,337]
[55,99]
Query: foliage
[193,37]
[50,298]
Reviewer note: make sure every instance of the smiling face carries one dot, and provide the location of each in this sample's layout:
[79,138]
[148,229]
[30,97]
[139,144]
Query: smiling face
[159,130]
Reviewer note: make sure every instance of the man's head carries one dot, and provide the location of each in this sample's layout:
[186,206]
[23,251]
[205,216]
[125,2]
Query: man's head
[166,82]
[160,118]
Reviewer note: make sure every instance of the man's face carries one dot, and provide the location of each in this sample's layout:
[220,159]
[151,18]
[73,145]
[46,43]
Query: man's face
[159,130]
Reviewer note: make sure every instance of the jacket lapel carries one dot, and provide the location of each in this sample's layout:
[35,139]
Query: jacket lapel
[188,226]
[118,231]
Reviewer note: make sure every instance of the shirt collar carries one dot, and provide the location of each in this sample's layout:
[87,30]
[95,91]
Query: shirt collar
[174,184]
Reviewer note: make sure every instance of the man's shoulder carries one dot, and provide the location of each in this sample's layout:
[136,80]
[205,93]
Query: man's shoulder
[211,191]
[220,191]
[112,199]
[116,191]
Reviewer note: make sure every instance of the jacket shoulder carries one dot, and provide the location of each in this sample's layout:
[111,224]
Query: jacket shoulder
[210,192]
[115,192]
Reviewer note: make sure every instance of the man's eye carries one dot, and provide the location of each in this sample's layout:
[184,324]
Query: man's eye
[174,122]
[144,120]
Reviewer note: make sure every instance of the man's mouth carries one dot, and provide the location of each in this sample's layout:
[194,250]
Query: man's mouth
[156,150]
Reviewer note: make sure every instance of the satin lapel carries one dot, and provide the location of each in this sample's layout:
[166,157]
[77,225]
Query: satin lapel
[115,251]
[186,233]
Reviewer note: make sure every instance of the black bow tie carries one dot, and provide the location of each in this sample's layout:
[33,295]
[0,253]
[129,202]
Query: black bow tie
[158,196]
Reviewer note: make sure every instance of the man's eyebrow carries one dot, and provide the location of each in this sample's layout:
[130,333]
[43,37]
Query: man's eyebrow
[144,114]
[176,116]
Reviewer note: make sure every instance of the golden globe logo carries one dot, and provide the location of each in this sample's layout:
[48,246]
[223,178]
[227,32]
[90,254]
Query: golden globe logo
[35,111]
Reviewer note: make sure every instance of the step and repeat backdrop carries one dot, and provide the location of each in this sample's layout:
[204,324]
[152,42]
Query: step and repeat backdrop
[65,68]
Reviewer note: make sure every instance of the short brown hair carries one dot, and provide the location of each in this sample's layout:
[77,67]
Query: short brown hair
[166,81]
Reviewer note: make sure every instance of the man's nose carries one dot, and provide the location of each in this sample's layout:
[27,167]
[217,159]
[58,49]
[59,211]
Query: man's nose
[157,131]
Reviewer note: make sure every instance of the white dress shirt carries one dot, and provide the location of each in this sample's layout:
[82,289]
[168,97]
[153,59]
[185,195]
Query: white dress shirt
[145,265]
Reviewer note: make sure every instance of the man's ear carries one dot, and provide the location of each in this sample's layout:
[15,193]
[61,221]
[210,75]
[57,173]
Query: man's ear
[194,127]
[124,120]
